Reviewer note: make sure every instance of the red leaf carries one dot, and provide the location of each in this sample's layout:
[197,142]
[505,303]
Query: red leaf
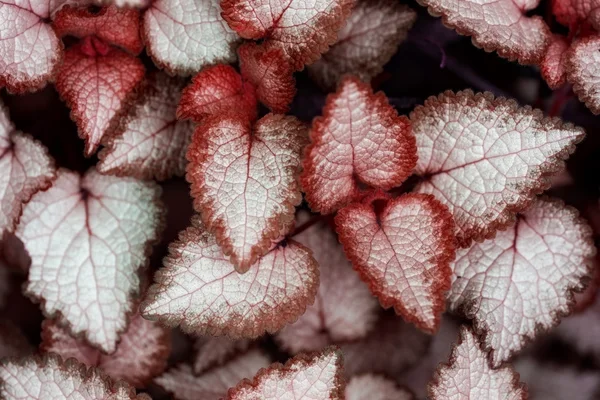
[82,22]
[150,142]
[185,35]
[217,90]
[521,282]
[200,290]
[12,341]
[316,376]
[25,168]
[215,350]
[244,181]
[486,158]
[583,71]
[573,13]
[374,387]
[97,87]
[301,30]
[403,252]
[359,139]
[553,64]
[87,237]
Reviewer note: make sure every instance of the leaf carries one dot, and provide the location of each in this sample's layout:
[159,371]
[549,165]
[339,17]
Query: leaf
[374,387]
[215,350]
[25,168]
[88,236]
[403,252]
[316,376]
[97,82]
[125,3]
[184,36]
[213,384]
[344,309]
[301,30]
[140,355]
[366,42]
[583,71]
[485,158]
[582,330]
[272,76]
[150,142]
[468,375]
[83,21]
[575,13]
[521,282]
[50,377]
[12,342]
[502,26]
[553,63]
[360,139]
[200,290]
[243,179]
[217,90]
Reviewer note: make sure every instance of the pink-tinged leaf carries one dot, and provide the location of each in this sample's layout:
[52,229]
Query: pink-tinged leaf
[141,354]
[574,13]
[553,64]
[214,383]
[52,378]
[272,76]
[521,282]
[244,182]
[25,168]
[467,375]
[200,290]
[217,90]
[183,36]
[125,3]
[301,30]
[12,341]
[326,322]
[97,82]
[366,42]
[150,142]
[497,25]
[215,350]
[82,21]
[486,158]
[316,376]
[88,236]
[374,387]
[360,139]
[583,330]
[583,71]
[403,252]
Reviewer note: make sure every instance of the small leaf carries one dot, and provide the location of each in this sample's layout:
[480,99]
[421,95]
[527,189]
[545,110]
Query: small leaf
[200,290]
[316,376]
[185,35]
[486,158]
[87,237]
[359,139]
[403,252]
[244,181]
[374,387]
[521,282]
[12,341]
[150,142]
[366,42]
[468,375]
[583,71]
[553,65]
[215,350]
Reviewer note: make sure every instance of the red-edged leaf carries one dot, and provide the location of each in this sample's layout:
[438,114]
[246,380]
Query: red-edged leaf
[583,330]
[82,22]
[213,384]
[374,387]
[25,168]
[366,42]
[200,290]
[215,350]
[301,30]
[500,26]
[521,282]
[141,354]
[359,139]
[326,322]
[553,64]
[486,158]
[573,13]
[244,181]
[215,91]
[87,237]
[468,375]
[183,36]
[316,376]
[97,82]
[272,76]
[12,341]
[150,142]
[583,71]
[403,252]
